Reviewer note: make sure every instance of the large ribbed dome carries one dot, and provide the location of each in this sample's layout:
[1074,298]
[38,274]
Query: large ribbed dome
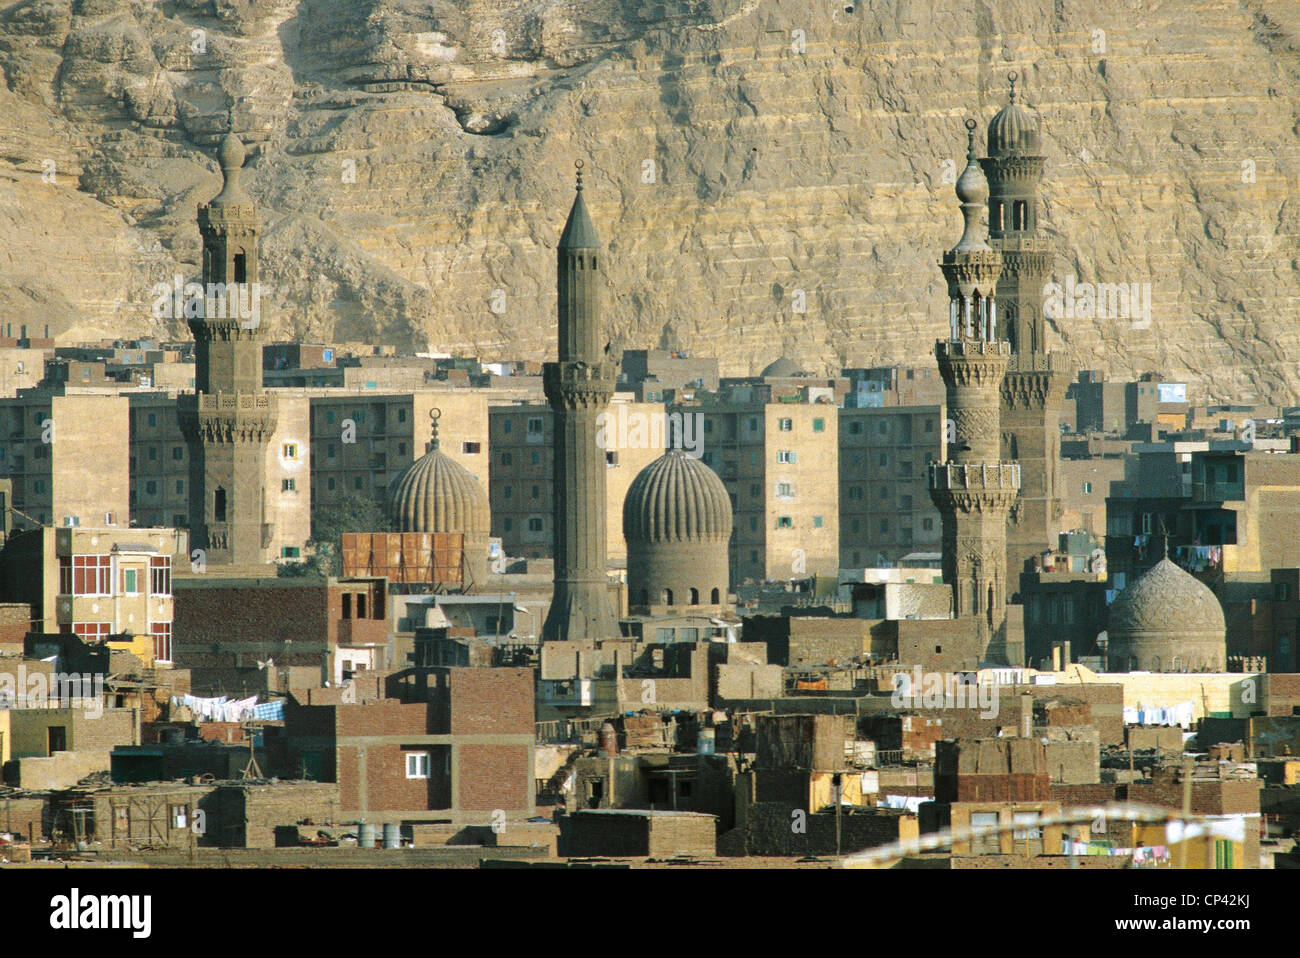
[1014,130]
[675,498]
[438,494]
[1167,599]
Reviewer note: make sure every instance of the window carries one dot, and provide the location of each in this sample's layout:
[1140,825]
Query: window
[753,424]
[153,419]
[536,491]
[535,524]
[883,460]
[151,487]
[537,458]
[856,527]
[401,415]
[855,428]
[819,425]
[90,575]
[785,490]
[855,492]
[884,525]
[130,582]
[508,524]
[929,425]
[162,640]
[288,485]
[160,575]
[91,630]
[534,425]
[417,764]
[784,522]
[180,486]
[289,552]
[753,523]
[1087,488]
[817,522]
[178,452]
[219,505]
[507,459]
[785,425]
[755,491]
[290,450]
[927,524]
[329,416]
[611,458]
[470,448]
[358,483]
[401,449]
[785,456]
[153,453]
[329,450]
[329,483]
[708,425]
[509,492]
[507,426]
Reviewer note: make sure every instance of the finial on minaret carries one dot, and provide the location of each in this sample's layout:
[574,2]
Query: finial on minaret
[231,155]
[434,415]
[577,165]
[1012,77]
[972,190]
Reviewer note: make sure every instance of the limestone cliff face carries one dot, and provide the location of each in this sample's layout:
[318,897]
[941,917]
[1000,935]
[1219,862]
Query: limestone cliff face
[744,158]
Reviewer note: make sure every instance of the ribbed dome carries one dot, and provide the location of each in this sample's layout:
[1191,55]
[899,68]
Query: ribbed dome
[1014,131]
[785,366]
[677,497]
[438,494]
[1167,599]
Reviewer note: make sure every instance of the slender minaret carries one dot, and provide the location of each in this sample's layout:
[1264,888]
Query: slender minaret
[579,388]
[1036,380]
[974,489]
[230,419]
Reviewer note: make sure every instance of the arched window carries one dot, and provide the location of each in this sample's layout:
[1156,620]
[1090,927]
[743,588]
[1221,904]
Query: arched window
[695,596]
[219,505]
[996,216]
[668,596]
[714,597]
[1020,214]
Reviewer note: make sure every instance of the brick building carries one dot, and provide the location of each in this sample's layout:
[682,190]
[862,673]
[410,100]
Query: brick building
[452,744]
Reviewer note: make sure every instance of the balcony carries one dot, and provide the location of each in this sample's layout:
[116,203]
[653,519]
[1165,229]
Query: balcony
[975,476]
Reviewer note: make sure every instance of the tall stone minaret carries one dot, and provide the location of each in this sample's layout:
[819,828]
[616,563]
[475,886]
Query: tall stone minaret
[230,419]
[579,388]
[973,488]
[1036,380]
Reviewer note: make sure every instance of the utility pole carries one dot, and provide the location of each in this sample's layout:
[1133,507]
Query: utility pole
[1189,765]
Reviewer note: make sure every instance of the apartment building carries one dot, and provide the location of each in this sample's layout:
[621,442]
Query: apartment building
[97,581]
[521,489]
[359,441]
[885,508]
[780,463]
[66,457]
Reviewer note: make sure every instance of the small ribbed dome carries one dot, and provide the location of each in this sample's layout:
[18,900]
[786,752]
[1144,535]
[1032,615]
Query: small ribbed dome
[1167,599]
[677,497]
[783,367]
[438,494]
[1014,130]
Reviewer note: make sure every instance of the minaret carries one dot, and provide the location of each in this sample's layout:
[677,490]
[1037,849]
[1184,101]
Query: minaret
[579,388]
[1034,387]
[974,489]
[229,420]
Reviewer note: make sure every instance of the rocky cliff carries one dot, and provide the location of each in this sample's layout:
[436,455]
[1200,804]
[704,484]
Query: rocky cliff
[769,176]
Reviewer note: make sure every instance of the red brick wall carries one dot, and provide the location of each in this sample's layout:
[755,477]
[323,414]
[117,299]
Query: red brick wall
[385,717]
[15,623]
[265,615]
[491,701]
[494,776]
[391,790]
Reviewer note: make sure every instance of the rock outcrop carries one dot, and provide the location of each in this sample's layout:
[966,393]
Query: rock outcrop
[414,161]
